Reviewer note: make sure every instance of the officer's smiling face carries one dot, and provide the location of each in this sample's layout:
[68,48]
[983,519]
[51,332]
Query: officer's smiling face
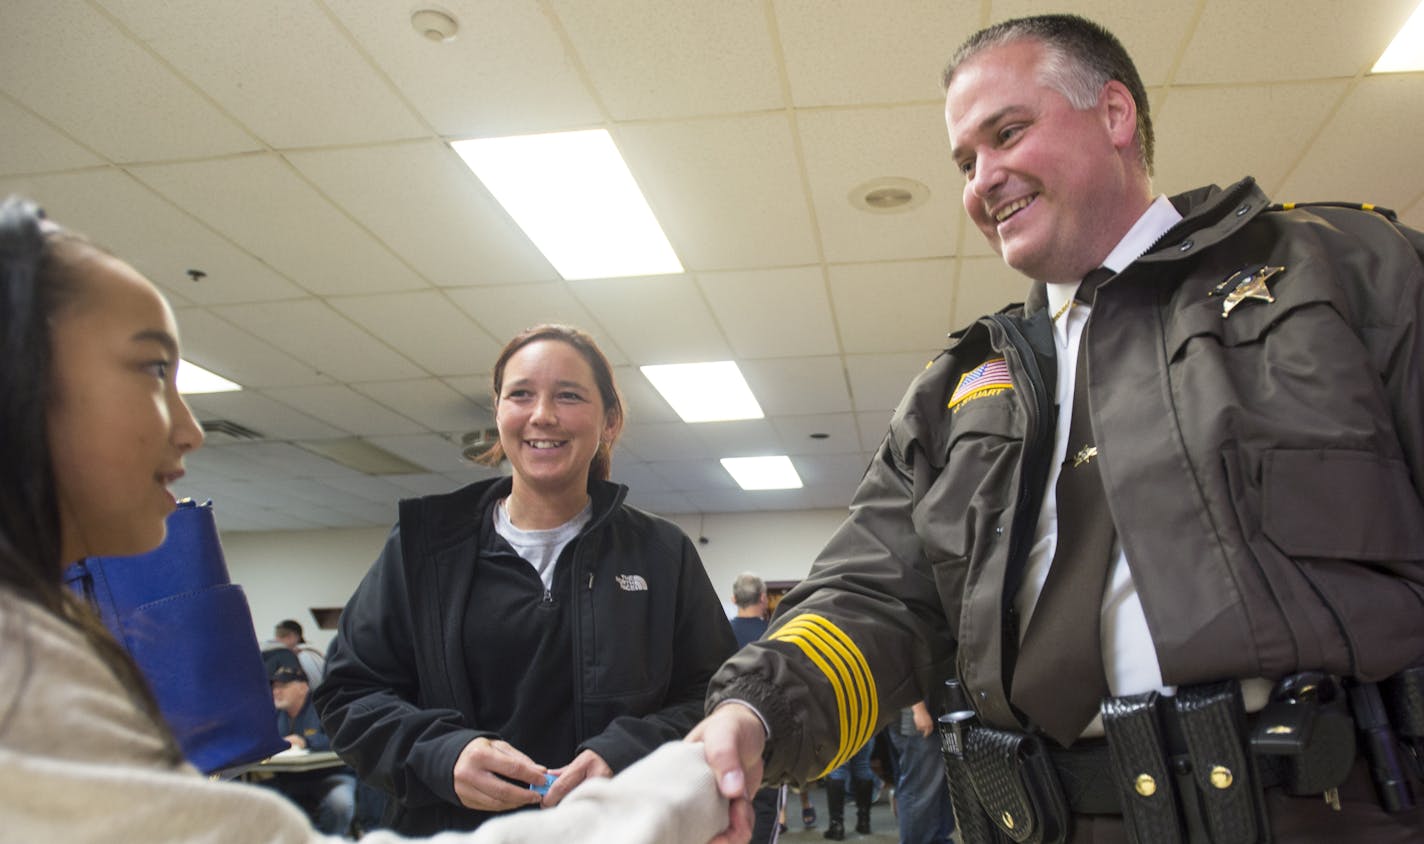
[1044,182]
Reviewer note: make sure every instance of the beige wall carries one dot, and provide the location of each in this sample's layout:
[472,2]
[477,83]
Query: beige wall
[285,572]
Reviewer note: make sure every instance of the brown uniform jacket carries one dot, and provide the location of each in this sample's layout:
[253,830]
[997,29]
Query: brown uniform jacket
[1264,472]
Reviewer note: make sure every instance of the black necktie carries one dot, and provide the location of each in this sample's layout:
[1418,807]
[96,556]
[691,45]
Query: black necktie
[1058,679]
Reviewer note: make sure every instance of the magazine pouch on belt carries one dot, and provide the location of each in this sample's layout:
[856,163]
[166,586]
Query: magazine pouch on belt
[1228,788]
[190,631]
[1142,771]
[1017,785]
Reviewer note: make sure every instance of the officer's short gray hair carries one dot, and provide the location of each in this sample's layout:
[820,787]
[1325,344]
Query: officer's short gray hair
[1080,58]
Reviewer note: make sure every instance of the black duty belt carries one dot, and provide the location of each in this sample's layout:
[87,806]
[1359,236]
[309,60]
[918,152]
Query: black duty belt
[1184,768]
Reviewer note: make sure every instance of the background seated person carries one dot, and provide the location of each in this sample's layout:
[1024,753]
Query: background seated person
[328,795]
[313,662]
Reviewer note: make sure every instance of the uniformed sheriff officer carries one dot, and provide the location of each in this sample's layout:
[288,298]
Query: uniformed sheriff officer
[1162,523]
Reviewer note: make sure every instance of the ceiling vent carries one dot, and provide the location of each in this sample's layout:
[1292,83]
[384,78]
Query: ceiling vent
[219,431]
[477,442]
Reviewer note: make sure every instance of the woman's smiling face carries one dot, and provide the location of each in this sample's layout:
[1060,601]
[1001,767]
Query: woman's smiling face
[551,417]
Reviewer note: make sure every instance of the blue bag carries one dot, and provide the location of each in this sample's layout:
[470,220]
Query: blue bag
[190,630]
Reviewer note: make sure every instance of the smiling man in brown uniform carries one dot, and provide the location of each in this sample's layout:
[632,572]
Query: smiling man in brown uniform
[1144,527]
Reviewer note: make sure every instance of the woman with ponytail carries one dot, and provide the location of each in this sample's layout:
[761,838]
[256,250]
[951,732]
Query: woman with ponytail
[527,630]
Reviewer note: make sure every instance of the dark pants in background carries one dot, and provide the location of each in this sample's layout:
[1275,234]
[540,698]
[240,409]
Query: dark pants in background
[767,806]
[327,796]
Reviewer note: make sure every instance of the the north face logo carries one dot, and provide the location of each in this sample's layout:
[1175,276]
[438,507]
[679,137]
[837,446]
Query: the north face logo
[632,583]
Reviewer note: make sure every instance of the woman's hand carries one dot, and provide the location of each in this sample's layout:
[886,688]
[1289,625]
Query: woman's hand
[586,765]
[478,771]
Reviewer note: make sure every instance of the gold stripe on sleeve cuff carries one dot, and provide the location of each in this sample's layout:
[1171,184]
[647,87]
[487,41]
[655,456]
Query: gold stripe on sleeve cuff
[845,668]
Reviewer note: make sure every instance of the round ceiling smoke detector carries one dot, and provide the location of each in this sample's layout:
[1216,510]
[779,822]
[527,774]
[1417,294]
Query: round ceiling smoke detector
[434,25]
[888,195]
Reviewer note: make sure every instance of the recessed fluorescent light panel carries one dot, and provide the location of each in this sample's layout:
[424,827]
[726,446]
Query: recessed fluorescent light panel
[705,392]
[1406,51]
[195,379]
[572,194]
[752,473]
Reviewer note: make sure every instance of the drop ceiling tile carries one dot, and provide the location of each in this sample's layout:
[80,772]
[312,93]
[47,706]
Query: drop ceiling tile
[344,408]
[788,386]
[1283,118]
[419,199]
[159,240]
[218,345]
[467,473]
[329,495]
[264,206]
[426,327]
[830,498]
[636,475]
[984,286]
[740,501]
[1339,41]
[645,63]
[873,425]
[273,519]
[267,460]
[836,471]
[655,319]
[429,484]
[727,191]
[274,420]
[878,382]
[847,148]
[432,451]
[428,401]
[111,94]
[200,465]
[283,69]
[892,307]
[1153,33]
[1383,161]
[476,388]
[660,502]
[641,401]
[218,464]
[740,438]
[662,441]
[506,311]
[796,431]
[693,475]
[376,489]
[773,313]
[505,73]
[850,53]
[30,145]
[314,332]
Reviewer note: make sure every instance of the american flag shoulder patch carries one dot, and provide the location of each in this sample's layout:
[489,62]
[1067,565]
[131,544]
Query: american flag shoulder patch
[987,379]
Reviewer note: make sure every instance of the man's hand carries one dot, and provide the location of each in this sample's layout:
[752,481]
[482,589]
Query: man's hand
[923,722]
[586,765]
[733,739]
[478,771]
[296,741]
